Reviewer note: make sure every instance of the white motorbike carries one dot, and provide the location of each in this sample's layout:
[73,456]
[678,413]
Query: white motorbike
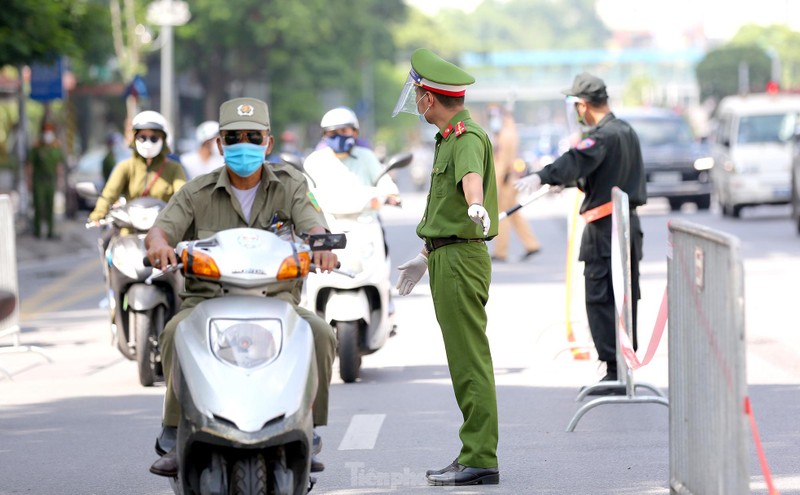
[244,370]
[357,304]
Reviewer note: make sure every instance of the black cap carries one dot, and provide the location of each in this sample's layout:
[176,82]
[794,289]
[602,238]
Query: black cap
[587,87]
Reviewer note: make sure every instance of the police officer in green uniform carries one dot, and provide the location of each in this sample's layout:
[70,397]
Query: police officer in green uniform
[461,214]
[46,166]
[247,192]
[609,155]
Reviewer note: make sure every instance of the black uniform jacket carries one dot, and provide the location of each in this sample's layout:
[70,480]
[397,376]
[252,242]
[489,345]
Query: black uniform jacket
[608,156]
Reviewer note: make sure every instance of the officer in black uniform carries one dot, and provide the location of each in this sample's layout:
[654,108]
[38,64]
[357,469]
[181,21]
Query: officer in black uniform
[609,155]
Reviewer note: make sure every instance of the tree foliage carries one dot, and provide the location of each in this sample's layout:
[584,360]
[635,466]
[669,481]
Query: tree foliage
[39,30]
[718,71]
[779,41]
[299,52]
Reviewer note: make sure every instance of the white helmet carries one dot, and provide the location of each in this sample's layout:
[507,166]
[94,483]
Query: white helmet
[149,120]
[337,118]
[207,130]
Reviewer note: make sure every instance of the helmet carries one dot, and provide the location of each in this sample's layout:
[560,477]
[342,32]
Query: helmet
[207,130]
[149,120]
[339,117]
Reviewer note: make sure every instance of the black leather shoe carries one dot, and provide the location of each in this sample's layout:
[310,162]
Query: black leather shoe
[460,475]
[166,465]
[530,253]
[451,467]
[316,465]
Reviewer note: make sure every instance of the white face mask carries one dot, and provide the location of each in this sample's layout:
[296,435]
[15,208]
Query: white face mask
[48,137]
[149,149]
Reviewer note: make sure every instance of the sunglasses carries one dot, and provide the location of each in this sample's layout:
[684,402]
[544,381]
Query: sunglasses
[233,137]
[152,139]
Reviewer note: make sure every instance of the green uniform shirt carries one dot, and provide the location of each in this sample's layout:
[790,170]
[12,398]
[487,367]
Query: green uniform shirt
[462,147]
[45,160]
[207,205]
[132,177]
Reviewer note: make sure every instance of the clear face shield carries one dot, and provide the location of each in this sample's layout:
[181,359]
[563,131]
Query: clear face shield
[408,96]
[575,123]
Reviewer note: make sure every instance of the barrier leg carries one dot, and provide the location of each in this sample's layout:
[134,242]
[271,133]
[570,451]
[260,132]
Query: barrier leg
[613,400]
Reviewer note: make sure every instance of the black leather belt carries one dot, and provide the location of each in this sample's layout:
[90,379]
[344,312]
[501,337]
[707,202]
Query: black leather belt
[437,242]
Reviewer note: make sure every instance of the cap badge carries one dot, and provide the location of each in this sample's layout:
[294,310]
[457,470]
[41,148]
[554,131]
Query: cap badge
[245,110]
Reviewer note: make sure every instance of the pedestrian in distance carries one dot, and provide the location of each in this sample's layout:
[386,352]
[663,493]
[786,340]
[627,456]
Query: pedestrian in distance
[206,157]
[461,214]
[45,172]
[506,142]
[609,155]
[247,192]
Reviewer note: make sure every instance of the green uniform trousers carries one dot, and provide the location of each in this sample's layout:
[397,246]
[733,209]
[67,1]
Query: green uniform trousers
[324,348]
[43,194]
[460,275]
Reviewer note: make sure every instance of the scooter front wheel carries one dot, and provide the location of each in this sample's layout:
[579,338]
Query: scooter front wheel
[249,476]
[146,326]
[349,352]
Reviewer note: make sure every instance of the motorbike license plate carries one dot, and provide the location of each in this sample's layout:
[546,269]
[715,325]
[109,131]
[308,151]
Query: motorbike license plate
[666,177]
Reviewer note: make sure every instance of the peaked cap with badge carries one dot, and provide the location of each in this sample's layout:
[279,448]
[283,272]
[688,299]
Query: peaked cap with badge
[587,87]
[244,114]
[432,73]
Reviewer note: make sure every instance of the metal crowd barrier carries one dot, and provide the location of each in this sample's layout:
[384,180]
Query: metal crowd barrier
[621,270]
[9,327]
[708,432]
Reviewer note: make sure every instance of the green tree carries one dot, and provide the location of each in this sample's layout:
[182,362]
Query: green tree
[779,41]
[298,51]
[718,72]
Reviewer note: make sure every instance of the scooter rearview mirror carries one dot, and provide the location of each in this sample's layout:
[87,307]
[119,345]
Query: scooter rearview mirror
[399,160]
[326,242]
[293,160]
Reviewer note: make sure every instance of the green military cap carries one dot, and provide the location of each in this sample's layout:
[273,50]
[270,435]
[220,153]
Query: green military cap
[433,73]
[587,87]
[244,114]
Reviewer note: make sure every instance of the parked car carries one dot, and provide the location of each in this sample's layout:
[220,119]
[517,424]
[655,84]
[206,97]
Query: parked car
[796,177]
[89,168]
[540,145]
[676,163]
[752,147]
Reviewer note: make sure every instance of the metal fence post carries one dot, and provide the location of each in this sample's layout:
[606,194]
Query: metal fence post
[621,270]
[708,430]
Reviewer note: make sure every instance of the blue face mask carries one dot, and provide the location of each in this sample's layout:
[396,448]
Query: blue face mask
[340,143]
[244,158]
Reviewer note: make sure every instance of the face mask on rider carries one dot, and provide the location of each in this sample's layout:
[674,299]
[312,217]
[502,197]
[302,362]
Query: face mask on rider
[149,149]
[340,143]
[244,158]
[48,137]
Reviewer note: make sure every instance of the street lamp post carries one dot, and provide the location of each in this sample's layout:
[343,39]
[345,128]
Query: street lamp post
[167,14]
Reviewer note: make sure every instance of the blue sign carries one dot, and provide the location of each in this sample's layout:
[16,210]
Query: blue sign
[137,88]
[46,81]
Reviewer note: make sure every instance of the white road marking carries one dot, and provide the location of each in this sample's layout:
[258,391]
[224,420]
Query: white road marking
[362,432]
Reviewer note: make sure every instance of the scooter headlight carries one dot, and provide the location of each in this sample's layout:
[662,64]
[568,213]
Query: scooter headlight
[141,218]
[246,344]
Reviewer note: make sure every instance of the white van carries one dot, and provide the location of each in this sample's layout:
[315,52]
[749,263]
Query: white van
[751,147]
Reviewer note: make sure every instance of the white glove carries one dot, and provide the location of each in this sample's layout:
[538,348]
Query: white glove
[528,184]
[478,214]
[410,273]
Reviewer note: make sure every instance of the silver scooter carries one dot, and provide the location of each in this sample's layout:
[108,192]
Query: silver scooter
[244,369]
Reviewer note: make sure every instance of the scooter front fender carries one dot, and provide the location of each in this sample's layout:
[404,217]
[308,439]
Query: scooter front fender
[347,305]
[142,297]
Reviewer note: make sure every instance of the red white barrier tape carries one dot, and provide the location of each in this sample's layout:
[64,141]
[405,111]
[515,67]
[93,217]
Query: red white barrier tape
[762,458]
[626,346]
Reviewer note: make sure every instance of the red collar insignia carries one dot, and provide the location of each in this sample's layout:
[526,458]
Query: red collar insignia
[447,131]
[460,128]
